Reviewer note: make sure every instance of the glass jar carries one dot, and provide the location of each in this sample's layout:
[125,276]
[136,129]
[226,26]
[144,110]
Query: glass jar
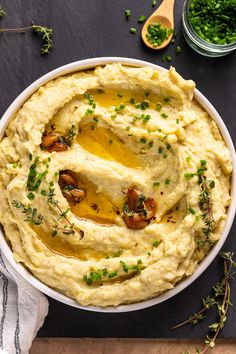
[197,43]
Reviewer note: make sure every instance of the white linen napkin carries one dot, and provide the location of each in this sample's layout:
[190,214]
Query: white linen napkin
[22,310]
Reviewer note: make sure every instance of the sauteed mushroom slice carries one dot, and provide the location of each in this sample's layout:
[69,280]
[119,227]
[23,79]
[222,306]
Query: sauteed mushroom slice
[138,211]
[51,142]
[134,221]
[69,186]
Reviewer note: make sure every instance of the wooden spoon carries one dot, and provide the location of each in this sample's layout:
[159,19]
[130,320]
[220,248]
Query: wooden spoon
[163,15]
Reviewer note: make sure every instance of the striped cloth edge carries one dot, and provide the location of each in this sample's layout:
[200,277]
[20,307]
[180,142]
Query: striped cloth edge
[22,311]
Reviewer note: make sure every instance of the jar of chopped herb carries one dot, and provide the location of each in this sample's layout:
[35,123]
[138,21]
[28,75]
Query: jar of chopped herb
[209,26]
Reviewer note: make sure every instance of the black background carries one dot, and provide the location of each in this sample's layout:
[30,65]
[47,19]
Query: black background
[93,28]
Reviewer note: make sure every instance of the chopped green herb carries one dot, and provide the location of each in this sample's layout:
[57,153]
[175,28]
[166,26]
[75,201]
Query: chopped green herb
[30,196]
[178,49]
[168,146]
[113,116]
[142,19]
[120,107]
[166,99]
[188,159]
[214,21]
[157,34]
[133,30]
[192,211]
[154,2]
[95,119]
[120,94]
[143,140]
[132,100]
[127,14]
[127,128]
[34,178]
[177,120]
[156,243]
[158,106]
[143,105]
[112,275]
[164,115]
[156,184]
[211,184]
[189,174]
[89,112]
[167,181]
[110,141]
[135,268]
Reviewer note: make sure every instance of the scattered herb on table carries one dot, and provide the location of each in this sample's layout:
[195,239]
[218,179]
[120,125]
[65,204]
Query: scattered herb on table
[142,19]
[154,2]
[178,49]
[157,34]
[2,12]
[45,32]
[165,58]
[133,30]
[214,21]
[220,300]
[127,14]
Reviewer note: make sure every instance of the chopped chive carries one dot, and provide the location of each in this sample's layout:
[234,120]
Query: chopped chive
[167,181]
[156,184]
[143,140]
[142,19]
[154,2]
[132,30]
[30,196]
[178,49]
[127,14]
[192,211]
[132,100]
[164,115]
[188,159]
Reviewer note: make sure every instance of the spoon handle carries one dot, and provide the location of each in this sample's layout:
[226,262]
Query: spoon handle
[166,9]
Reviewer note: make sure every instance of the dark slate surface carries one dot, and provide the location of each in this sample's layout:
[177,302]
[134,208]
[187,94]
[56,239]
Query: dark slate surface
[91,28]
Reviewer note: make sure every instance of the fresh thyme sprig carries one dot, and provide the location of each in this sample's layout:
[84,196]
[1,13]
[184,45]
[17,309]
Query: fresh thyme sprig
[205,202]
[31,213]
[220,300]
[69,137]
[45,32]
[2,12]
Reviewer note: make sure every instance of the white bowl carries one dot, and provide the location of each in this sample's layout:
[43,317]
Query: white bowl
[86,64]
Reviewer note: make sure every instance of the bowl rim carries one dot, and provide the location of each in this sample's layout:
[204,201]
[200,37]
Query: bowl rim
[89,64]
